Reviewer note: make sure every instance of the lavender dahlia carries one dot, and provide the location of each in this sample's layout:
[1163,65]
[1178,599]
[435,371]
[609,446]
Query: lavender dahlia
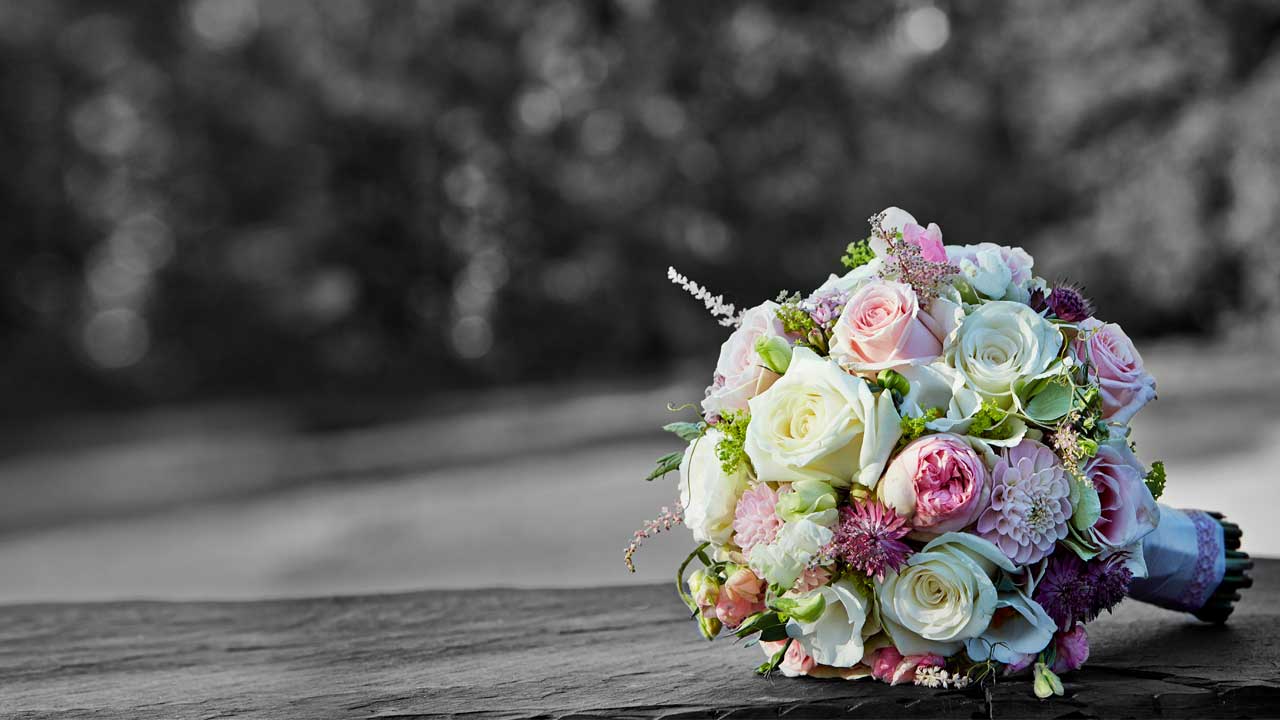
[1030,503]
[868,537]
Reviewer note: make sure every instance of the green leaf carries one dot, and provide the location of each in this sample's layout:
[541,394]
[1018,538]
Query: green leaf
[1051,403]
[772,663]
[1156,479]
[1087,506]
[686,431]
[666,464]
[769,625]
[1080,545]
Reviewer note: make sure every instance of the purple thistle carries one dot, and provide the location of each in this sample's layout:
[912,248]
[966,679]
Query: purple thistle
[1069,304]
[869,538]
[1074,590]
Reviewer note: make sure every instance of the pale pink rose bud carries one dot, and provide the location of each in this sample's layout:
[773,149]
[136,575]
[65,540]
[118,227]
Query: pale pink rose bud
[883,326]
[740,372]
[795,663]
[1072,649]
[938,482]
[741,595]
[1117,367]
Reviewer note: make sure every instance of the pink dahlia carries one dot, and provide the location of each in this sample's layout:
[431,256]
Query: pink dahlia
[869,538]
[1030,503]
[754,520]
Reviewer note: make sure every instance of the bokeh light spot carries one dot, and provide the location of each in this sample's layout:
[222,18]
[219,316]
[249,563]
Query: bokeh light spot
[116,338]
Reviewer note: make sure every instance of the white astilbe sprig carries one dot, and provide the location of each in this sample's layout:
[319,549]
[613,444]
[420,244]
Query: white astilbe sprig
[727,314]
[936,677]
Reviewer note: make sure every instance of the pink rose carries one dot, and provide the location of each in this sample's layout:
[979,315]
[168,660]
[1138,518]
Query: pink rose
[795,663]
[740,373]
[1116,365]
[1072,649]
[882,326]
[740,596]
[1129,511]
[938,482]
[888,665]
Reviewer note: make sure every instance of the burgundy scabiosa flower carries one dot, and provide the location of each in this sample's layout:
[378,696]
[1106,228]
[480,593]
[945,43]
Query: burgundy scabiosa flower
[1069,304]
[1073,590]
[869,536]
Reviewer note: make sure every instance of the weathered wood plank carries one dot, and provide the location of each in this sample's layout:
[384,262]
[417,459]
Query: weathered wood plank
[590,653]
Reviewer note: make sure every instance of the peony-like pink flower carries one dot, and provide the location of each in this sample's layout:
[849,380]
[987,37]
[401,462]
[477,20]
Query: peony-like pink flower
[1117,367]
[741,595]
[754,519]
[1129,512]
[795,663]
[938,482]
[740,374]
[929,240]
[890,666]
[882,326]
[1030,503]
[1072,649]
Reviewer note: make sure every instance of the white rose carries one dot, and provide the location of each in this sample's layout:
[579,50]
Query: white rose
[783,561]
[939,386]
[818,422]
[944,596]
[708,495]
[1000,345]
[999,272]
[837,637]
[740,373]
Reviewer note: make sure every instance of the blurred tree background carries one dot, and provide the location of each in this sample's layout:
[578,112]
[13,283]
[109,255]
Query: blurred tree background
[231,198]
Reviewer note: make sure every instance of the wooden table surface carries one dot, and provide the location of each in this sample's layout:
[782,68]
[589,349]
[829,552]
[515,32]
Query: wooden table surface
[601,652]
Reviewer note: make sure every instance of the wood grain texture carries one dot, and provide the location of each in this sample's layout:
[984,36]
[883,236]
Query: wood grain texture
[603,652]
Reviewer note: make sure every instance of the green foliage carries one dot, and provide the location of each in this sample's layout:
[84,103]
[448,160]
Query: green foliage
[731,449]
[989,422]
[687,431]
[1156,479]
[793,318]
[858,253]
[893,380]
[913,428]
[666,464]
[1052,402]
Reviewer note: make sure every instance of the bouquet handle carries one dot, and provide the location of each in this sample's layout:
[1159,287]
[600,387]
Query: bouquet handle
[1194,564]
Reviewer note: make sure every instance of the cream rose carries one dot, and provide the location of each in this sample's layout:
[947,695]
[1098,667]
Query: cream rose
[708,495]
[837,638]
[818,422]
[740,374]
[1000,345]
[945,596]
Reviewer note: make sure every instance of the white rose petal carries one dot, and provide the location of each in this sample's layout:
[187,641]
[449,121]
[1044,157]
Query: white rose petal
[708,495]
[1000,345]
[818,422]
[837,637]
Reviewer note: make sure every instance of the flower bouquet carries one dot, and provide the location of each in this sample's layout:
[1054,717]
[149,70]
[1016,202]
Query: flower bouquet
[921,472]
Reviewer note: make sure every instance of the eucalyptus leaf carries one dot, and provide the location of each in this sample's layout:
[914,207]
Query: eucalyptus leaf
[667,463]
[1087,509]
[1051,403]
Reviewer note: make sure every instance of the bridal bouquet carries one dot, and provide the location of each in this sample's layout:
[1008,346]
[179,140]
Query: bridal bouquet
[921,472]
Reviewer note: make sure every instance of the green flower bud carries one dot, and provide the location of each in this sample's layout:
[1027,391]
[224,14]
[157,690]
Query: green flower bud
[709,626]
[705,588]
[775,352]
[806,498]
[892,380]
[807,610]
[1046,682]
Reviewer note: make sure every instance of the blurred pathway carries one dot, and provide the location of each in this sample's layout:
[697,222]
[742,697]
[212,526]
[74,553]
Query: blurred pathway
[547,494]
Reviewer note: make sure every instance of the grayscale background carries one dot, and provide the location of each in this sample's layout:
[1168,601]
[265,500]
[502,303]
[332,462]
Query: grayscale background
[335,297]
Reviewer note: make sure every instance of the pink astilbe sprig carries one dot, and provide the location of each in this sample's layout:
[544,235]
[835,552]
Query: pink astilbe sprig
[726,313]
[923,269]
[869,536]
[666,520]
